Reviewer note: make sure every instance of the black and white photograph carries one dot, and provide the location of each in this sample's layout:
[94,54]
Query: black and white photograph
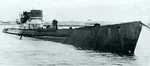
[74,33]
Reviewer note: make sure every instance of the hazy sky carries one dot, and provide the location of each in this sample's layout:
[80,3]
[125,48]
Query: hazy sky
[65,10]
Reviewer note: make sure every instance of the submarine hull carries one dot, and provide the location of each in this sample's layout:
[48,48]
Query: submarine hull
[117,38]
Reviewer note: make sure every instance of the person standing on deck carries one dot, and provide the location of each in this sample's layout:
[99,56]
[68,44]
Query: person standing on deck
[54,24]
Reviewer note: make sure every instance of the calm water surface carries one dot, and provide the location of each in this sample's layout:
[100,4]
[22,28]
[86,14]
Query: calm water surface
[36,52]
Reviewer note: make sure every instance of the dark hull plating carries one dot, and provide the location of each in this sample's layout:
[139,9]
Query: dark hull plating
[117,38]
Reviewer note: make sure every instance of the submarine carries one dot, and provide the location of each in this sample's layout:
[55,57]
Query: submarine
[115,38]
